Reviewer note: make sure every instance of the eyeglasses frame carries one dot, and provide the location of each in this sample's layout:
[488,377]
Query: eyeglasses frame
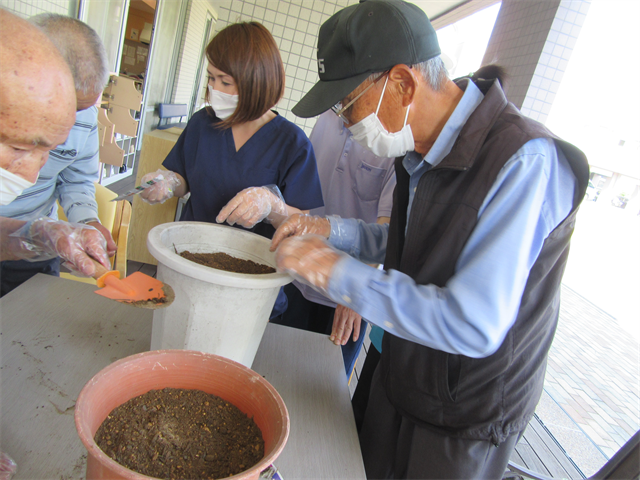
[340,111]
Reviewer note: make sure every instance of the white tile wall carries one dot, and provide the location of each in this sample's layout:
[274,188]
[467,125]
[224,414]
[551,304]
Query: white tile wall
[27,8]
[534,39]
[294,25]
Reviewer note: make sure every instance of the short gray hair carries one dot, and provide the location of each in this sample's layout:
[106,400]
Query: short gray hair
[433,71]
[80,46]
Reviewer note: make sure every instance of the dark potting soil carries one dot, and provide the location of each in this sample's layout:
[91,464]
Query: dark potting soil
[181,434]
[222,261]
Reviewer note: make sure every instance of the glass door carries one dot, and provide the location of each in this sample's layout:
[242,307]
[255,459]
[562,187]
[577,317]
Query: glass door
[200,86]
[108,19]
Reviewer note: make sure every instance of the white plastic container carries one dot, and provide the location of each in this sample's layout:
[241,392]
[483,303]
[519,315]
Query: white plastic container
[214,311]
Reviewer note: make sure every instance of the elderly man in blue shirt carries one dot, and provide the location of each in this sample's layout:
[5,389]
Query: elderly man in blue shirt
[483,212]
[72,168]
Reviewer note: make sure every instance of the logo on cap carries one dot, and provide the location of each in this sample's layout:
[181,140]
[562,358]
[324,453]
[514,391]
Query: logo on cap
[320,63]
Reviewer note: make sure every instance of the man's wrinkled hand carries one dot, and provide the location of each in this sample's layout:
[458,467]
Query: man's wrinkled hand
[75,244]
[345,321]
[111,245]
[308,258]
[301,224]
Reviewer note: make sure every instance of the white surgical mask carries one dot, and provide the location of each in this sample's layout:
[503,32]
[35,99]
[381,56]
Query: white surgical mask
[224,104]
[11,186]
[370,133]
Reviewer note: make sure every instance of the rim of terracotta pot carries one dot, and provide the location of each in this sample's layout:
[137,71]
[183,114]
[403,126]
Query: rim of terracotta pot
[167,255]
[123,365]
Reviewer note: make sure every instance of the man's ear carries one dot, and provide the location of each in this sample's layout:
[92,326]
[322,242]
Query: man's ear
[406,82]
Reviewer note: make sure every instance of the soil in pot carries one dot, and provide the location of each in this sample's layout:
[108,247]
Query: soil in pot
[223,261]
[181,434]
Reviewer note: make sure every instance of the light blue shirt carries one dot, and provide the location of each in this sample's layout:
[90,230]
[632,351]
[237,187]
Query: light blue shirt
[472,313]
[355,182]
[67,175]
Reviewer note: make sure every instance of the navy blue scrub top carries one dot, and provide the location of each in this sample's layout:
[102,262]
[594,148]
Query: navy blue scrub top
[279,154]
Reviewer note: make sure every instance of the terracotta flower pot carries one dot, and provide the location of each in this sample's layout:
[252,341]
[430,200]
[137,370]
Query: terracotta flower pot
[132,376]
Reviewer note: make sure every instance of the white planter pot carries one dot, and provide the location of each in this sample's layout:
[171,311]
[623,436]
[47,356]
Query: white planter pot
[214,311]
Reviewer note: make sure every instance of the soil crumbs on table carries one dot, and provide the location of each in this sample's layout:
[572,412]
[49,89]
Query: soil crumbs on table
[223,261]
[181,434]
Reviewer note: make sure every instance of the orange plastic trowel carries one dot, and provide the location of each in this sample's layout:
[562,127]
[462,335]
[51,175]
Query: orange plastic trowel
[137,289]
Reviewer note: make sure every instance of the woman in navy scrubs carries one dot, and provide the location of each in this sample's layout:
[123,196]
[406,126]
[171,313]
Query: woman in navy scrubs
[241,161]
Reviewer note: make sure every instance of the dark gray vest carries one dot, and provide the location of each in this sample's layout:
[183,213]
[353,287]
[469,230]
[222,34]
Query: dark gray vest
[485,398]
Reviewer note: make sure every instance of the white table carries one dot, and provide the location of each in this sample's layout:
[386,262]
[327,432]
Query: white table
[55,334]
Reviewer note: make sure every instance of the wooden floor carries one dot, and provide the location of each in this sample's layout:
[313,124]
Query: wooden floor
[537,451]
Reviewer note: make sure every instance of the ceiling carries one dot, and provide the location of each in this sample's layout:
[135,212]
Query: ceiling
[434,8]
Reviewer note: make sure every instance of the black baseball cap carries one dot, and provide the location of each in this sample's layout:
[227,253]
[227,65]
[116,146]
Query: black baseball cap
[362,39]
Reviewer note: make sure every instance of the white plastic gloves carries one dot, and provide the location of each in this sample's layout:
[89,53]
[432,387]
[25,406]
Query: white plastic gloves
[164,188]
[253,205]
[309,259]
[7,467]
[303,251]
[44,238]
[301,224]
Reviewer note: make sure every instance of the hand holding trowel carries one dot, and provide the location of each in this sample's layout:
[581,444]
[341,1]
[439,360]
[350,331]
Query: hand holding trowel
[137,289]
[78,246]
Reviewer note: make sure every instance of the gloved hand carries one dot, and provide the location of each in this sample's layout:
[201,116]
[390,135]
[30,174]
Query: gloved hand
[44,238]
[7,467]
[301,224]
[345,321]
[112,248]
[254,204]
[164,188]
[308,259]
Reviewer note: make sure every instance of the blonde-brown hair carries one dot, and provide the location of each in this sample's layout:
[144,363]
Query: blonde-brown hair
[248,53]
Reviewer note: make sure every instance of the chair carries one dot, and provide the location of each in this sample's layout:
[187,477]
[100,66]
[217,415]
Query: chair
[624,465]
[115,216]
[167,111]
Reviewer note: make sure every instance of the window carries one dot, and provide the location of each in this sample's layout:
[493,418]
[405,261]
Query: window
[464,42]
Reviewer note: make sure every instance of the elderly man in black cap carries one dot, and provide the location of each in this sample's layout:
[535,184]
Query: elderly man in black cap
[484,208]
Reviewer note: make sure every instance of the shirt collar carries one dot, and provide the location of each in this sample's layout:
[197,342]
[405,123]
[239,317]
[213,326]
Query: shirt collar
[471,98]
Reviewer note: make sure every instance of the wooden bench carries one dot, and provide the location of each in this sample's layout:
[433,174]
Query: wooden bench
[168,111]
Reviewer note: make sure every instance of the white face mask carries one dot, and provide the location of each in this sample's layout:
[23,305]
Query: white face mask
[370,133]
[224,104]
[11,186]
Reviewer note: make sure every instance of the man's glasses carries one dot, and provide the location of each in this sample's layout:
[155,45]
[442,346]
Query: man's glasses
[339,110]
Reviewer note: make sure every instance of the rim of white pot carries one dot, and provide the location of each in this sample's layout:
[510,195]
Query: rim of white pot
[167,256]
